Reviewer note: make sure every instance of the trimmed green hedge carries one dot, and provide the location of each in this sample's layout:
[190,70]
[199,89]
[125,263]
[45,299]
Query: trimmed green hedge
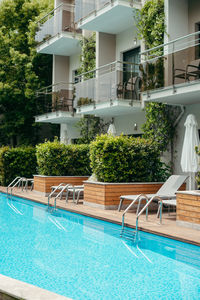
[126,159]
[55,159]
[17,162]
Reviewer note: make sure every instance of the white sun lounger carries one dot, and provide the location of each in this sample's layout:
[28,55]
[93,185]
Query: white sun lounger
[167,192]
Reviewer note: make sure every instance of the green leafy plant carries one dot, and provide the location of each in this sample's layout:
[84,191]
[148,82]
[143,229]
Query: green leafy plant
[90,126]
[22,69]
[88,56]
[160,124]
[55,159]
[126,159]
[16,162]
[84,101]
[151,23]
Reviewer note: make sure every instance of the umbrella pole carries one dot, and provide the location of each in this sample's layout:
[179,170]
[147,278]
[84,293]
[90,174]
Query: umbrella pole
[190,181]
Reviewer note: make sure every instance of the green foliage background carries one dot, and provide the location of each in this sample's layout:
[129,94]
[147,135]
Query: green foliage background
[151,23]
[55,159]
[126,159]
[16,162]
[88,55]
[22,70]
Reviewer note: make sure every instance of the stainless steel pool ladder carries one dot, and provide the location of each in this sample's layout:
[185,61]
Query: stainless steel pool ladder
[128,233]
[133,235]
[60,188]
[13,184]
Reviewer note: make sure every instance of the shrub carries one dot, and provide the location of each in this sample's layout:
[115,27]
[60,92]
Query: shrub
[17,162]
[55,159]
[126,159]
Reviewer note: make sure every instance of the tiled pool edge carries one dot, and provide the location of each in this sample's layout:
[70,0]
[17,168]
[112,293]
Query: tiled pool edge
[20,290]
[111,221]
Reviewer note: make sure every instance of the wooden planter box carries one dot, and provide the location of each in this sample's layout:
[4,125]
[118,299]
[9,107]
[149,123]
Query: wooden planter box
[188,209]
[42,184]
[106,195]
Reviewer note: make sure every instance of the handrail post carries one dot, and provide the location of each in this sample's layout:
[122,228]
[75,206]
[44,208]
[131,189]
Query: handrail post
[161,204]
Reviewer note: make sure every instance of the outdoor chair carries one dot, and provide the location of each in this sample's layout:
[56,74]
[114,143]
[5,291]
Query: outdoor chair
[132,88]
[192,70]
[76,190]
[59,188]
[129,89]
[167,192]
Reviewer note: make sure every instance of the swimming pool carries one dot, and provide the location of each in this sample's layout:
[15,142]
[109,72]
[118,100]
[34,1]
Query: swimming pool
[84,258]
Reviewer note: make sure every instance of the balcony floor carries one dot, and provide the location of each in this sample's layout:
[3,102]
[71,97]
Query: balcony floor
[182,94]
[58,117]
[110,108]
[65,44]
[112,18]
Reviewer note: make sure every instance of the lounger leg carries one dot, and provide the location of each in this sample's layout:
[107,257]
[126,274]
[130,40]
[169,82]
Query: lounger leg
[67,196]
[158,212]
[120,204]
[74,195]
[78,196]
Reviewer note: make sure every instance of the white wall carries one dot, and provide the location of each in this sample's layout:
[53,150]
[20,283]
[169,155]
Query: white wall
[60,69]
[105,48]
[73,65]
[68,132]
[125,41]
[176,13]
[125,124]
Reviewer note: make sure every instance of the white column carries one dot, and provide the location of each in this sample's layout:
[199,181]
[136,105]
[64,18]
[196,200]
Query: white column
[64,139]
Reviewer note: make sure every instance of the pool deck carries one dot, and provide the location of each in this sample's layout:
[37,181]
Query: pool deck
[169,228]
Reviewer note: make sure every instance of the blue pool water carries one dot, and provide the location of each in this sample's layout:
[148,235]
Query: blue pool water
[84,258]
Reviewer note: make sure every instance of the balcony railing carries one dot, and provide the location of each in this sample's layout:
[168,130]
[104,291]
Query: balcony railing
[83,8]
[61,19]
[115,81]
[171,64]
[56,97]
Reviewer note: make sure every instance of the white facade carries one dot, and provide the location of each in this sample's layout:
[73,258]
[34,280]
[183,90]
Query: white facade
[112,41]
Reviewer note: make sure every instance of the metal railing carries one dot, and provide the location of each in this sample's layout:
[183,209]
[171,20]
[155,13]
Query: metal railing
[134,234]
[117,80]
[61,19]
[84,8]
[57,192]
[170,64]
[56,97]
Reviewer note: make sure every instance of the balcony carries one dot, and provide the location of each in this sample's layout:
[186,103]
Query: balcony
[110,90]
[171,72]
[55,104]
[58,33]
[109,16]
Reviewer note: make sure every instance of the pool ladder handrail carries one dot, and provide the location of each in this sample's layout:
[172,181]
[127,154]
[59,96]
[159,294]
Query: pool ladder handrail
[64,187]
[13,184]
[159,199]
[139,198]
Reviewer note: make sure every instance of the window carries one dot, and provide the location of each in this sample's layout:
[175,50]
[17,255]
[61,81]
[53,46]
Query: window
[132,56]
[74,76]
[197,42]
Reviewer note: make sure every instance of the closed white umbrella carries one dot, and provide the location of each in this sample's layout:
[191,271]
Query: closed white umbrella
[112,129]
[189,158]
